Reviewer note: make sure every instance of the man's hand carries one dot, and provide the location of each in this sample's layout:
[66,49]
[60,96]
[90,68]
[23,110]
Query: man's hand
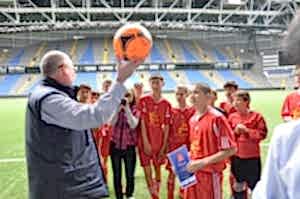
[195,165]
[126,68]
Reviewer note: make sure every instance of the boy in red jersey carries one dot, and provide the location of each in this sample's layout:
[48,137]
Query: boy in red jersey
[249,130]
[291,106]
[230,88]
[179,131]
[155,119]
[211,142]
[106,132]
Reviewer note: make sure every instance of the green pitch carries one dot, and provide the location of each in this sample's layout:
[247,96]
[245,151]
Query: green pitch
[13,180]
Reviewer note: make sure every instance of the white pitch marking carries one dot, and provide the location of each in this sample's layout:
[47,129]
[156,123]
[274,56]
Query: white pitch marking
[12,160]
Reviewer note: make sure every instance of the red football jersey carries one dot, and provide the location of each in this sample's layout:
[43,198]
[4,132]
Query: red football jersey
[209,134]
[227,107]
[179,127]
[291,106]
[248,143]
[155,115]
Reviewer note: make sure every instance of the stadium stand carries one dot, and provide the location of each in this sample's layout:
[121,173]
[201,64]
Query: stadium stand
[87,78]
[179,77]
[280,76]
[100,51]
[37,55]
[156,56]
[16,57]
[227,75]
[188,56]
[214,77]
[88,55]
[8,83]
[220,57]
[247,79]
[196,76]
[24,83]
[170,84]
[73,49]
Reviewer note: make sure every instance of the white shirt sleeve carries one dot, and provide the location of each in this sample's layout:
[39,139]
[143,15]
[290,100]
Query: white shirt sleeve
[68,113]
[271,185]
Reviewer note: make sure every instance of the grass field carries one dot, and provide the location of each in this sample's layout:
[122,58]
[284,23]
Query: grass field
[13,180]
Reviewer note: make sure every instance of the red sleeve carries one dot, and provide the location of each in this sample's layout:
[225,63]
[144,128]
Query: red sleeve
[167,115]
[260,132]
[232,125]
[224,133]
[285,110]
[142,108]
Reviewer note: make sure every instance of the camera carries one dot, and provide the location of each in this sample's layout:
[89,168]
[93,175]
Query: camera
[123,102]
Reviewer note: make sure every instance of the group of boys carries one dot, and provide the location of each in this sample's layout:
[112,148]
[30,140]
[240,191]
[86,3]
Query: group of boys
[214,136]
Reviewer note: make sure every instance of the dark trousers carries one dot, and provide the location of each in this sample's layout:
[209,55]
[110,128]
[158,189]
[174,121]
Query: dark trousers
[129,158]
[245,170]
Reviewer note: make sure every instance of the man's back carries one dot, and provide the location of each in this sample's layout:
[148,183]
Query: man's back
[281,175]
[62,163]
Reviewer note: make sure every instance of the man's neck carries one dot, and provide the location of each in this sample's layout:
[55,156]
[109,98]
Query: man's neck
[201,110]
[156,96]
[244,112]
[182,105]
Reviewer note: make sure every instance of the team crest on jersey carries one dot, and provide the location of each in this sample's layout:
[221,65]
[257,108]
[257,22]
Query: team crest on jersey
[154,118]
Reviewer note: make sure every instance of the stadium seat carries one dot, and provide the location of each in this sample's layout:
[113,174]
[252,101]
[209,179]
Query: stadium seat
[195,76]
[8,83]
[156,56]
[220,56]
[15,60]
[88,55]
[227,75]
[188,56]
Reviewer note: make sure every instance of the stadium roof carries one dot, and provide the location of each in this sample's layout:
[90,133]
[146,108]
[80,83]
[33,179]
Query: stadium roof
[35,15]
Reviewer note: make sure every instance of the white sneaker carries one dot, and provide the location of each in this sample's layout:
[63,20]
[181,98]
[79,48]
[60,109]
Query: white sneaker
[131,197]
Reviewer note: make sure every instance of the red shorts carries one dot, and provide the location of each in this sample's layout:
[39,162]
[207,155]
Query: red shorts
[146,160]
[209,186]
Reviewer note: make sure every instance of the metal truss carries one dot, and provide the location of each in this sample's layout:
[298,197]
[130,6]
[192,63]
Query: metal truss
[32,15]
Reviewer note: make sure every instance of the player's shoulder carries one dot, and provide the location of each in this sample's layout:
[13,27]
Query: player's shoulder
[293,94]
[214,112]
[175,109]
[256,114]
[146,97]
[164,100]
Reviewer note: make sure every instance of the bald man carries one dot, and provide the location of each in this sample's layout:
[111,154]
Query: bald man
[62,160]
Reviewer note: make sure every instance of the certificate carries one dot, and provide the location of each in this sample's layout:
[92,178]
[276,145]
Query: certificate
[179,159]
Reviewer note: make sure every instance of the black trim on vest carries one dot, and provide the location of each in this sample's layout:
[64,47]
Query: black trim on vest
[71,91]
